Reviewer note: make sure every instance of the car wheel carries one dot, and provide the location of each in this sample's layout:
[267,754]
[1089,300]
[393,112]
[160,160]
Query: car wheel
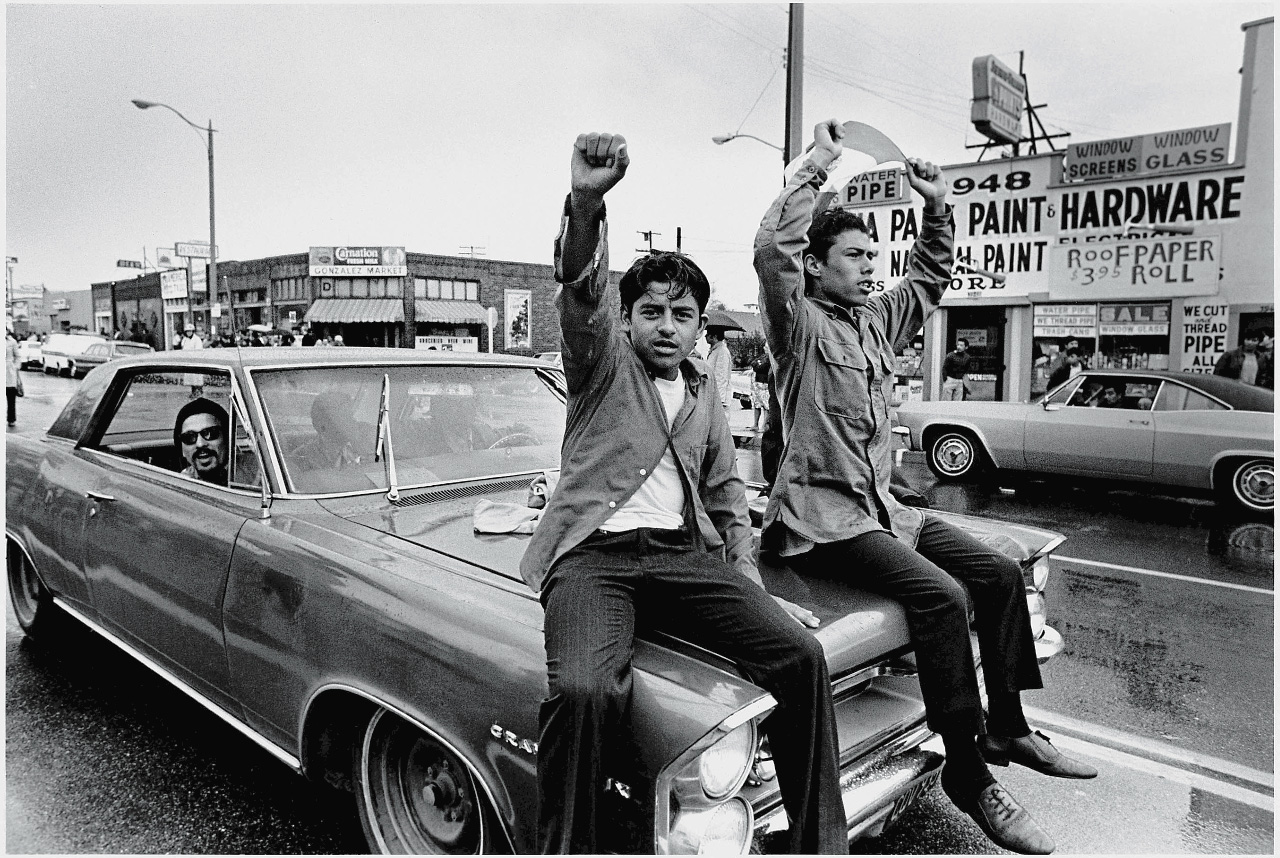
[1253,485]
[415,795]
[954,455]
[32,602]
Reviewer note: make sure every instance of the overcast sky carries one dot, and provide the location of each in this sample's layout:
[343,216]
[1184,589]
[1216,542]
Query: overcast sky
[441,126]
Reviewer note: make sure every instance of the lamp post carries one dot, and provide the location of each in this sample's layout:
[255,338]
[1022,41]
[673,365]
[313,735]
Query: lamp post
[207,134]
[721,139]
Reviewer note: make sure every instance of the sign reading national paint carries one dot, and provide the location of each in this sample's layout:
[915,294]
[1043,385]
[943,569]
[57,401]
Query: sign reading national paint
[358,261]
[173,284]
[999,94]
[1148,155]
[1159,267]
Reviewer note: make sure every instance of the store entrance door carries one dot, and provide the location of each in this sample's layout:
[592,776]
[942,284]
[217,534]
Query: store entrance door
[983,327]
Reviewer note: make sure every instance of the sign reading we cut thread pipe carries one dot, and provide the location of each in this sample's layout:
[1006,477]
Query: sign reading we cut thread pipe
[1156,267]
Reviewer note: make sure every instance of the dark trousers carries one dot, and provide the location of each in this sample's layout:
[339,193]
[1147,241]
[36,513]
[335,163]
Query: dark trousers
[771,437]
[592,599]
[11,403]
[937,612]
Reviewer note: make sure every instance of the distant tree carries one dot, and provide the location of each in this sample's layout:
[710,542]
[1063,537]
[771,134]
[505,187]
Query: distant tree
[744,348]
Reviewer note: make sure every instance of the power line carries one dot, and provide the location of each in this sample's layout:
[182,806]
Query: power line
[750,38]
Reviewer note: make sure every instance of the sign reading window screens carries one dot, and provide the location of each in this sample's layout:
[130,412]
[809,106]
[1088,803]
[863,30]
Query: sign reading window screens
[519,327]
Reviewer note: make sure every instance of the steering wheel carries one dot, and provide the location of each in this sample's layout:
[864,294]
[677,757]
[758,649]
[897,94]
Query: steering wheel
[515,439]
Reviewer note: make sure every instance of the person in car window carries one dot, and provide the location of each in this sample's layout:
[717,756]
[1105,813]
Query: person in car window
[833,337]
[200,434]
[1110,398]
[649,527]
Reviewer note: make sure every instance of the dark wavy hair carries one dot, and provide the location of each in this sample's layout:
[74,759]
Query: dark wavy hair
[824,231]
[664,266]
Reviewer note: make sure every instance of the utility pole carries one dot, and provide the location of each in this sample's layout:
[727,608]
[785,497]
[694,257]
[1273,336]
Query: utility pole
[793,144]
[677,239]
[647,235]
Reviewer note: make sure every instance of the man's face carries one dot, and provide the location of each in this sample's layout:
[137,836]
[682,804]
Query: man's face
[1110,396]
[206,455]
[961,345]
[847,275]
[663,331]
[1251,344]
[1073,359]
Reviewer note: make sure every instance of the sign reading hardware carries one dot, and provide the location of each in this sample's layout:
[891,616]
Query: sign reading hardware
[358,261]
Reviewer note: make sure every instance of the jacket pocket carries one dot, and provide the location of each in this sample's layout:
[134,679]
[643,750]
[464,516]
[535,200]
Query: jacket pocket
[840,385]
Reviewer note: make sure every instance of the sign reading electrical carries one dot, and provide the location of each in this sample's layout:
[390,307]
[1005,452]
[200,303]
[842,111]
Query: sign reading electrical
[363,261]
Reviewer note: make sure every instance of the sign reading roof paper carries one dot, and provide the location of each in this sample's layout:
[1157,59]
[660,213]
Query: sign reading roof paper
[357,261]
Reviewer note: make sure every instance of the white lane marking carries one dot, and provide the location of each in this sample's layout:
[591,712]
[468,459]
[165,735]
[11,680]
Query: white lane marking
[1189,578]
[1150,747]
[1170,773]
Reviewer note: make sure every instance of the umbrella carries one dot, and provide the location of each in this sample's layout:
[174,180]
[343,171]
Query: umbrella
[721,319]
[262,329]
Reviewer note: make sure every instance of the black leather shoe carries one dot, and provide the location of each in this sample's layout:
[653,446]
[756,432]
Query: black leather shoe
[1035,752]
[1003,820]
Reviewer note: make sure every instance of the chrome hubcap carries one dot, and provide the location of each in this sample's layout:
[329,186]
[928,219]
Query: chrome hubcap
[1256,485]
[954,455]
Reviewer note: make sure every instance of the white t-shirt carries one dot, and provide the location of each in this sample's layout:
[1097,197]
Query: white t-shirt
[659,502]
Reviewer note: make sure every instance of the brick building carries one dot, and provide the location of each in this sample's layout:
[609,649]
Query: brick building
[414,300]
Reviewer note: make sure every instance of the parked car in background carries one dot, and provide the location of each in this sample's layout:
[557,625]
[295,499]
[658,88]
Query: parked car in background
[1201,433]
[108,350]
[29,353]
[740,380]
[61,353]
[334,603]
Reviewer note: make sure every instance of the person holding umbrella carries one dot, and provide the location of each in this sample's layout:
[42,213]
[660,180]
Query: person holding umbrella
[718,357]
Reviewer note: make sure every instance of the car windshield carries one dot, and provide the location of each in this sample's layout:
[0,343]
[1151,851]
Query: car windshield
[446,422]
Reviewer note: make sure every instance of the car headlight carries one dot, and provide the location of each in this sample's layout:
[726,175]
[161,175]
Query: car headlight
[1040,573]
[1037,607]
[724,829]
[720,770]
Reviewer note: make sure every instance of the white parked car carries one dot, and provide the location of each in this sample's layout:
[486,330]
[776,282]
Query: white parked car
[60,351]
[29,354]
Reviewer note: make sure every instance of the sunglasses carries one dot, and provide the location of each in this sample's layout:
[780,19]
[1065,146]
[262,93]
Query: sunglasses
[209,433]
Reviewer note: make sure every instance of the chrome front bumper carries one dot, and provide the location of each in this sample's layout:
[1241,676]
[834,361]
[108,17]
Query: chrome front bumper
[875,792]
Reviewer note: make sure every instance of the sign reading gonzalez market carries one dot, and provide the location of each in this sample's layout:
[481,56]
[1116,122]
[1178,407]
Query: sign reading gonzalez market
[1148,155]
[1135,268]
[358,261]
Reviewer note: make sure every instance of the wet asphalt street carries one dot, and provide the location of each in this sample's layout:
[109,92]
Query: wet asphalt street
[1166,685]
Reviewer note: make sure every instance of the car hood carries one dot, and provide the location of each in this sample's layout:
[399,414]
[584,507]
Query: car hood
[858,628]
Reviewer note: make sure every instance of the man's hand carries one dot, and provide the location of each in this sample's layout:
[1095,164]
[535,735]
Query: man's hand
[599,162]
[803,616]
[928,181]
[826,143]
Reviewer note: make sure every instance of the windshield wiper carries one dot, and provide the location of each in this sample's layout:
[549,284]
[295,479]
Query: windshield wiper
[382,449]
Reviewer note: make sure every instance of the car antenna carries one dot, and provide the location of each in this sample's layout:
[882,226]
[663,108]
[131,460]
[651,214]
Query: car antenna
[382,443]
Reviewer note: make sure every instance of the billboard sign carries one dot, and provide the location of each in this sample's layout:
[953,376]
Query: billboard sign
[192,249]
[998,96]
[199,278]
[1147,155]
[447,344]
[173,284]
[875,187]
[358,261]
[166,258]
[1151,267]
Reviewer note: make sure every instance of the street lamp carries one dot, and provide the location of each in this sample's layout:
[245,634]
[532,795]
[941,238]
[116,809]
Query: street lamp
[207,134]
[721,139]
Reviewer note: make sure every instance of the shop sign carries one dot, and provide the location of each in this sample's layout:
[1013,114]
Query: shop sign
[977,337]
[357,261]
[1153,267]
[999,94]
[1147,155]
[199,278]
[192,249]
[1133,319]
[1204,334]
[1065,320]
[447,344]
[166,258]
[875,187]
[173,284]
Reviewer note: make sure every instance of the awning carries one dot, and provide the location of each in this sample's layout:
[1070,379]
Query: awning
[355,310]
[449,311]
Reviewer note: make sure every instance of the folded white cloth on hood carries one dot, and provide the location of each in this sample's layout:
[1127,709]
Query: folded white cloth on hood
[492,517]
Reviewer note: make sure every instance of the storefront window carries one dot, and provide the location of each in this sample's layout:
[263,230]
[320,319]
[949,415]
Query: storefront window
[359,287]
[1133,336]
[395,286]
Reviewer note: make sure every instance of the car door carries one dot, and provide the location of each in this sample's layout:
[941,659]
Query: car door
[157,544]
[1083,436]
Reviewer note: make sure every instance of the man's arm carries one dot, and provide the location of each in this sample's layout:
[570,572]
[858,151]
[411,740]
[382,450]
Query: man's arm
[903,309]
[783,236]
[598,163]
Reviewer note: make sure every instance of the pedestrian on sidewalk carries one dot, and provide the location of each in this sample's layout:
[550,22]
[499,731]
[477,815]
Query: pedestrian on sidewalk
[12,381]
[954,366]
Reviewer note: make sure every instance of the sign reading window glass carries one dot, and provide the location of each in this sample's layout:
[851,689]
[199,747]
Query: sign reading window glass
[519,328]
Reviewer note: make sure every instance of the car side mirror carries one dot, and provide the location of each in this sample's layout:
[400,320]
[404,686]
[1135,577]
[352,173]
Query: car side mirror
[1053,406]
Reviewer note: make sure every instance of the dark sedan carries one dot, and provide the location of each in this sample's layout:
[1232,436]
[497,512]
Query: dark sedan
[100,353]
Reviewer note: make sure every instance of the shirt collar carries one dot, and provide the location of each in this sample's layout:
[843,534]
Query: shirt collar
[836,311]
